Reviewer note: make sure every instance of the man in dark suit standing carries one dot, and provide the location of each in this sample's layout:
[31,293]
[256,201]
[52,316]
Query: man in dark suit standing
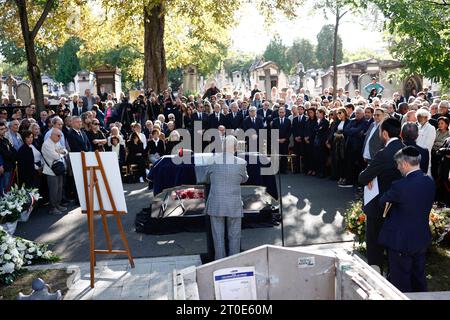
[234,118]
[384,168]
[298,132]
[217,118]
[372,141]
[80,108]
[78,140]
[265,113]
[406,232]
[283,124]
[252,121]
[200,117]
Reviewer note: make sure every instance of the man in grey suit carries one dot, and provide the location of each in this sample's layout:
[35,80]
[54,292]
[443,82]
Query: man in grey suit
[225,175]
[373,142]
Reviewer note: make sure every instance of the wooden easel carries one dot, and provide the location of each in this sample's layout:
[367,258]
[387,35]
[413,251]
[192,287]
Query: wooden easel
[89,192]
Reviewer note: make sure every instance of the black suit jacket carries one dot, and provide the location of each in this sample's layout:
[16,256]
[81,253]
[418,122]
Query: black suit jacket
[78,143]
[322,130]
[236,122]
[153,148]
[285,130]
[213,123]
[75,111]
[205,122]
[248,124]
[384,167]
[424,155]
[268,118]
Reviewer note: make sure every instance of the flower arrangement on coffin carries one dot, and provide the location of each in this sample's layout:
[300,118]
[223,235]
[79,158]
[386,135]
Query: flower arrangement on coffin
[355,222]
[190,193]
[16,252]
[17,205]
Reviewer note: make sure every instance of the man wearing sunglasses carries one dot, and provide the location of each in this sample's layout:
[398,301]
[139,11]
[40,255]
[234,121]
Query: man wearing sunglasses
[53,151]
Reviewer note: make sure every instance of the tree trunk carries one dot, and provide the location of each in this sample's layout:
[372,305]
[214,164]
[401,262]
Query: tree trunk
[28,36]
[35,75]
[155,70]
[335,42]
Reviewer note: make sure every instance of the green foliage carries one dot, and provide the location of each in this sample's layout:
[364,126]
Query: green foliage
[238,62]
[15,56]
[324,50]
[175,78]
[302,50]
[276,52]
[364,54]
[124,57]
[419,36]
[68,62]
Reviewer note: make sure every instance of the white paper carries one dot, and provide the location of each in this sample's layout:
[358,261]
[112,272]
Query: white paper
[372,193]
[112,171]
[235,283]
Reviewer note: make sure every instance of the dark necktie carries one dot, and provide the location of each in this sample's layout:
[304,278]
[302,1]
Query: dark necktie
[200,116]
[253,119]
[282,121]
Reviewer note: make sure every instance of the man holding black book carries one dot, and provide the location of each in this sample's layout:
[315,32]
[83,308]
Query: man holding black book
[406,232]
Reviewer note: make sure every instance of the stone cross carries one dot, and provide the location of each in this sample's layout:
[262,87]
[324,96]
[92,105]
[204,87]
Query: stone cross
[12,84]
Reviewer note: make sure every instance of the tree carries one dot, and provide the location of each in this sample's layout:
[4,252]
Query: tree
[205,30]
[338,9]
[44,24]
[29,35]
[325,47]
[419,36]
[68,61]
[238,61]
[302,50]
[276,52]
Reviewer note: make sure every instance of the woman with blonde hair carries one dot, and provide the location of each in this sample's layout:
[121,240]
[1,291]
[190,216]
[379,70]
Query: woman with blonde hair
[336,144]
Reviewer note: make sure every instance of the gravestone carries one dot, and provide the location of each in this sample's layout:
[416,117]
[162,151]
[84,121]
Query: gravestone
[23,92]
[364,80]
[190,79]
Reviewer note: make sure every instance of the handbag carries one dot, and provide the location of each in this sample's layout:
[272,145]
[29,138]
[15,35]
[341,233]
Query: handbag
[57,167]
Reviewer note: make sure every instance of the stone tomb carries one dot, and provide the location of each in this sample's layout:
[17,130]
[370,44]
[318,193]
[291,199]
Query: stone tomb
[23,92]
[282,274]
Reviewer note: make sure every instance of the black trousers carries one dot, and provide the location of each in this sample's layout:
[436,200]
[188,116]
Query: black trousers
[298,150]
[309,157]
[374,222]
[284,149]
[407,271]
[320,159]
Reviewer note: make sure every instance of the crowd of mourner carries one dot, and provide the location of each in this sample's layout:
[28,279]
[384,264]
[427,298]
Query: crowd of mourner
[325,137]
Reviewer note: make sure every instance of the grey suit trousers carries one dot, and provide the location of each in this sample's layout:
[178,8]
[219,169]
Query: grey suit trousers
[55,188]
[218,234]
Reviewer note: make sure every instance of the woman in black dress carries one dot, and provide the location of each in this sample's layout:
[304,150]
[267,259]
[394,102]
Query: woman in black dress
[135,149]
[29,162]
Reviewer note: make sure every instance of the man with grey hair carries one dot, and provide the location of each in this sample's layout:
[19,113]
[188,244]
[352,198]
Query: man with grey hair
[224,203]
[405,231]
[53,151]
